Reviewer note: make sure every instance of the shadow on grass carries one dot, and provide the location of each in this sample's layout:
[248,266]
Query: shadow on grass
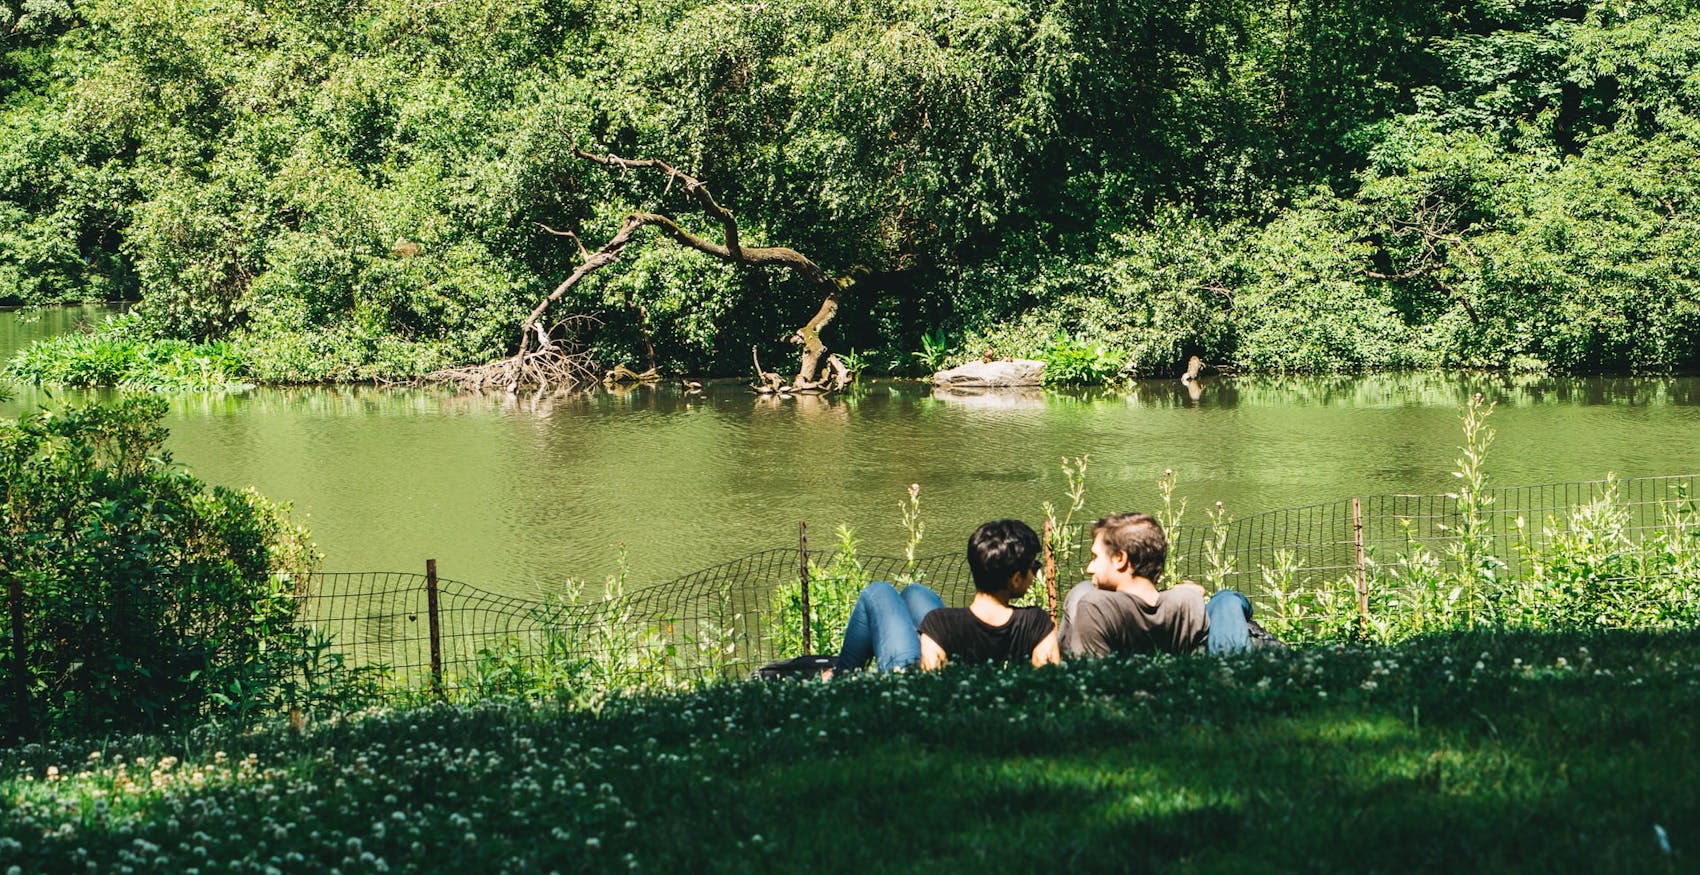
[1558,752]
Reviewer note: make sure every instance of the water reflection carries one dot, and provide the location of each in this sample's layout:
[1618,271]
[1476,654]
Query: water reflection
[992,398]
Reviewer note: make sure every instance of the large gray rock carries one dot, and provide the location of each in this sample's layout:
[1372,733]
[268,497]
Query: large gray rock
[1018,372]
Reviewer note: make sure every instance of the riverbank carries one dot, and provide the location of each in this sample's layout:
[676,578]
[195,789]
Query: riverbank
[516,495]
[1475,752]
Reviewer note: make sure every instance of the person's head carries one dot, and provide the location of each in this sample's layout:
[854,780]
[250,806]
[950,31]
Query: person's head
[1000,552]
[1131,538]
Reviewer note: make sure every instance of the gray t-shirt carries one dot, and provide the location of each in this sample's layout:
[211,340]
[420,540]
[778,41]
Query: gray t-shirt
[1098,622]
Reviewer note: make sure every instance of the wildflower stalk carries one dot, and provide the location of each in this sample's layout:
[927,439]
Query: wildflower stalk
[1219,563]
[1169,517]
[1472,547]
[1059,533]
[910,508]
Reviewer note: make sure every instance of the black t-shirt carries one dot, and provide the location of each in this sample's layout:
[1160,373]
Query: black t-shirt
[966,639]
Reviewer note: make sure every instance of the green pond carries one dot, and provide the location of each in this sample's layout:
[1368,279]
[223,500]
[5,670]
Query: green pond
[519,495]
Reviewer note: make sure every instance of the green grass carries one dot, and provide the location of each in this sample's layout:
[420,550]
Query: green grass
[1556,752]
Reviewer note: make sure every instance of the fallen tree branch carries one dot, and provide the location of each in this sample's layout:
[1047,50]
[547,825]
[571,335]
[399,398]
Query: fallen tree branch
[814,353]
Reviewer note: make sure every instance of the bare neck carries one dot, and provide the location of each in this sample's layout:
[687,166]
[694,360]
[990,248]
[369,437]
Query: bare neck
[991,609]
[1142,588]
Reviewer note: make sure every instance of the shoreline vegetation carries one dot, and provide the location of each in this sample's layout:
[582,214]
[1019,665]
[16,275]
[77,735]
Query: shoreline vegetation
[376,193]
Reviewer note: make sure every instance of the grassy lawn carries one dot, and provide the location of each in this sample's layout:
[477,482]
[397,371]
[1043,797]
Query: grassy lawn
[1478,752]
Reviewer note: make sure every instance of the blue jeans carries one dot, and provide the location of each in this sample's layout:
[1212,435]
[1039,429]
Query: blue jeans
[883,626]
[1229,612]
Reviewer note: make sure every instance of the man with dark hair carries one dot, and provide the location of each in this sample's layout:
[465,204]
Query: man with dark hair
[902,629]
[1121,610]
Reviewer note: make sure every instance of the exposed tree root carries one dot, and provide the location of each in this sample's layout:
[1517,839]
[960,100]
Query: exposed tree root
[556,363]
[623,374]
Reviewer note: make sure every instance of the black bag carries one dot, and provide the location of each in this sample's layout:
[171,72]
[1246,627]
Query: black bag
[801,668]
[1263,639]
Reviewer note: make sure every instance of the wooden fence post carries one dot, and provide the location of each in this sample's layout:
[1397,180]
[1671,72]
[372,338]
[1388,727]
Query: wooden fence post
[20,664]
[436,627]
[803,576]
[1051,572]
[1363,577]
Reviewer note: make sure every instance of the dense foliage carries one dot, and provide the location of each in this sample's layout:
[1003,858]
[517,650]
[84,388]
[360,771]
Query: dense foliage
[147,598]
[354,189]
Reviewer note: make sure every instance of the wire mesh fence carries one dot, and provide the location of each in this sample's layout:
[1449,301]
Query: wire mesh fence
[720,619]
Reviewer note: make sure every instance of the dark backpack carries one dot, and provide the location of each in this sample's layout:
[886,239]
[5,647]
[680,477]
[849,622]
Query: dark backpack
[800,668]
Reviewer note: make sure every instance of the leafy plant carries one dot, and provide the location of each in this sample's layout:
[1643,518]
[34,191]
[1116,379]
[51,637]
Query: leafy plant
[935,350]
[1071,362]
[1219,563]
[150,599]
[833,588]
[1169,515]
[1061,534]
[914,528]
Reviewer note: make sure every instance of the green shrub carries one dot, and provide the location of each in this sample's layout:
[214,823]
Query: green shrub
[149,599]
[112,356]
[1073,362]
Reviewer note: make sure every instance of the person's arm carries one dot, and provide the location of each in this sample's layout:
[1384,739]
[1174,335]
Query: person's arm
[932,655]
[1047,652]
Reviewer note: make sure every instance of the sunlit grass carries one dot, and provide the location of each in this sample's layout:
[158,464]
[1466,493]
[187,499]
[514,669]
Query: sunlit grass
[1486,752]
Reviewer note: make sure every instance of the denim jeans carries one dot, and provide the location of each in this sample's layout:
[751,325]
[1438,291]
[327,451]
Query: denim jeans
[883,626]
[1229,612]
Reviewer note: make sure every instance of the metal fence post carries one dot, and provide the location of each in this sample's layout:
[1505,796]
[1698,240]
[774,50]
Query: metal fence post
[1363,577]
[20,645]
[436,627]
[803,576]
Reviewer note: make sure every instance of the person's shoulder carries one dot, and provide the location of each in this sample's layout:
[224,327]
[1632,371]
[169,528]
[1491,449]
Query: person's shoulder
[940,618]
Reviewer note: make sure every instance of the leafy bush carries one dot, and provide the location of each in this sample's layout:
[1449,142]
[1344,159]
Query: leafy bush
[1072,362]
[149,598]
[110,356]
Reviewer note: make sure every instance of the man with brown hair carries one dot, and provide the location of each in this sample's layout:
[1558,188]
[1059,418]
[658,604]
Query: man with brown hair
[1121,610]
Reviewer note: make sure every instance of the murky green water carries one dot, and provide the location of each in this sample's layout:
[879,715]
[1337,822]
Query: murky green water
[517,496]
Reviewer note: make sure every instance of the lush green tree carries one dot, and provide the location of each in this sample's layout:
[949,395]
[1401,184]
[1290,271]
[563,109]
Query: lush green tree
[360,189]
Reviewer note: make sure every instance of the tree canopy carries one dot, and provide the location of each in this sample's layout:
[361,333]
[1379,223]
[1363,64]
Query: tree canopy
[355,189]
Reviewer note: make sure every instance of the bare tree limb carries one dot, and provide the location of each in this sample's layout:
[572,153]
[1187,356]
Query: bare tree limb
[583,253]
[731,248]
